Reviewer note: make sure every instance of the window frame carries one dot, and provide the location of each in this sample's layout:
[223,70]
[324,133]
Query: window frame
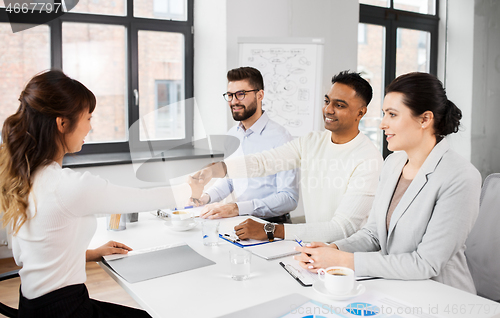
[392,19]
[133,25]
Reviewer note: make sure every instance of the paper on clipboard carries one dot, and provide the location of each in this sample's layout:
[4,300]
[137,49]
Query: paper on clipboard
[303,276]
[274,250]
[233,239]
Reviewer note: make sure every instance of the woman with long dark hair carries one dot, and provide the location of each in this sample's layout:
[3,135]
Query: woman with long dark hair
[50,210]
[427,199]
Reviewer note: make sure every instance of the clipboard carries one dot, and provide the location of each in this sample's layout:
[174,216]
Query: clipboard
[300,275]
[246,243]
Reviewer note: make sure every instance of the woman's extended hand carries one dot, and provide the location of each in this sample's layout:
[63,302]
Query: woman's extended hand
[320,255]
[109,248]
[199,179]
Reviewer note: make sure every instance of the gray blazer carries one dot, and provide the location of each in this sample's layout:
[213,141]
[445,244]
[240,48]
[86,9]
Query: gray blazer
[428,229]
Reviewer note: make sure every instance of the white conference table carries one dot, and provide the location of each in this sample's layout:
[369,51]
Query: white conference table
[210,292]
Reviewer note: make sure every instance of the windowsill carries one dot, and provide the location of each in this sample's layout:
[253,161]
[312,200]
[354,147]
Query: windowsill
[121,158]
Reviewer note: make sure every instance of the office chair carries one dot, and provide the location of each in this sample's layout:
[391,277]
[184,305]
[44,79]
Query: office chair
[482,244]
[4,309]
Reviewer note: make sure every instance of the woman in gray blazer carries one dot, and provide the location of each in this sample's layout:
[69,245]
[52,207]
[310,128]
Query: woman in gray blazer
[427,199]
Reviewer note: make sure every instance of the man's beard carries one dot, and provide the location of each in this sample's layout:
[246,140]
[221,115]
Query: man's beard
[248,111]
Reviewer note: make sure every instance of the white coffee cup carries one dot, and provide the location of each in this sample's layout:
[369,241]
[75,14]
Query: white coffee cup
[338,280]
[180,218]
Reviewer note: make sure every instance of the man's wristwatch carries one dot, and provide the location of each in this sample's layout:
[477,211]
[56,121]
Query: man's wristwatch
[269,228]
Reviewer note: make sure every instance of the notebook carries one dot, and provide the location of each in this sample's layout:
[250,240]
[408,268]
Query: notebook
[275,250]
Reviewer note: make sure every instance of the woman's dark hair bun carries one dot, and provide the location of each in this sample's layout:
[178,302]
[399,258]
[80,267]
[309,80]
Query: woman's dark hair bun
[425,92]
[451,119]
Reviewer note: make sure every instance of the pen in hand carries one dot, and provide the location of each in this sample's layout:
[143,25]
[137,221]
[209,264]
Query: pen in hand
[299,241]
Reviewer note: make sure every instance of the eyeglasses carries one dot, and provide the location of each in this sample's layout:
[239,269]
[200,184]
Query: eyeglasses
[240,95]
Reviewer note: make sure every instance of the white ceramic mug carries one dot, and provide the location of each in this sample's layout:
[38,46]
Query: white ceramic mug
[180,218]
[338,280]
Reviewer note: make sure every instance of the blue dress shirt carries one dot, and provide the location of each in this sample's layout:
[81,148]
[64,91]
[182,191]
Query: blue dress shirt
[266,197]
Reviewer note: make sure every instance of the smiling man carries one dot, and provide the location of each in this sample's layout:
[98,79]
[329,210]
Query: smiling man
[270,197]
[339,169]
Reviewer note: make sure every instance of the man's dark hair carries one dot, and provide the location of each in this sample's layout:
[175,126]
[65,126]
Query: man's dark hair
[252,75]
[355,81]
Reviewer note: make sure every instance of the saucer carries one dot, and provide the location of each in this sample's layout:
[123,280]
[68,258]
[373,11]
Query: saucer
[319,287]
[182,227]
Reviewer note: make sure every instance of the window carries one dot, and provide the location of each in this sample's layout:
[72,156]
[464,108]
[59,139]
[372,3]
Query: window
[135,56]
[419,6]
[95,54]
[161,70]
[169,122]
[400,37]
[380,3]
[371,64]
[413,53]
[33,46]
[106,7]
[161,9]
[362,33]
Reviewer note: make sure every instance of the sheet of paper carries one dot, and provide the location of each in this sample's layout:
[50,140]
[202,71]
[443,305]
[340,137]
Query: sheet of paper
[274,250]
[157,263]
[304,275]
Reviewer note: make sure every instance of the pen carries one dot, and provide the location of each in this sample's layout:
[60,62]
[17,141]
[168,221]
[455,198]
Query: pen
[185,208]
[299,241]
[367,278]
[229,238]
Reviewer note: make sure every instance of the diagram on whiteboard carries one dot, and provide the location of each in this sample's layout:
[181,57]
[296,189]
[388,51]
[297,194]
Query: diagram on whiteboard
[290,74]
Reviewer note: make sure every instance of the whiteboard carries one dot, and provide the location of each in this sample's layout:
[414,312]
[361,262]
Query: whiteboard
[291,68]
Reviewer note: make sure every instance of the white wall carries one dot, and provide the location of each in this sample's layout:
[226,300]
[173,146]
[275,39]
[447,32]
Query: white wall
[336,21]
[210,62]
[486,87]
[472,77]
[459,69]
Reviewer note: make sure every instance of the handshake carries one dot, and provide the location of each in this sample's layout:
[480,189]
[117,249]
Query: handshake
[248,229]
[201,178]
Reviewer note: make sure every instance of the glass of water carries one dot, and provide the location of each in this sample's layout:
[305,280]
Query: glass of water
[240,263]
[210,231]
